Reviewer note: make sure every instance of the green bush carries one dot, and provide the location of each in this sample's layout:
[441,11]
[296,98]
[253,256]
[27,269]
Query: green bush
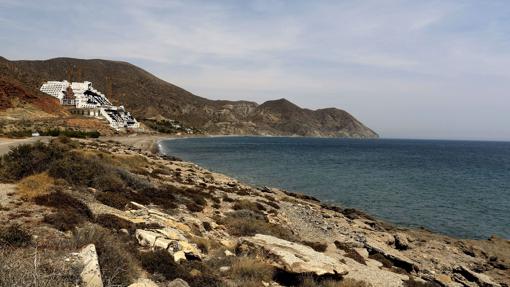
[26,159]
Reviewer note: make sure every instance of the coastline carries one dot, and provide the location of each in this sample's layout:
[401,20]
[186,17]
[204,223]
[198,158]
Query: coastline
[351,244]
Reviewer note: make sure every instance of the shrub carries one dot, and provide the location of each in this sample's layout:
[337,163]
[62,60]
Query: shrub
[71,212]
[15,235]
[118,266]
[413,283]
[114,199]
[248,224]
[248,205]
[309,281]
[227,199]
[64,201]
[114,222]
[25,160]
[193,207]
[207,226]
[64,220]
[161,263]
[317,246]
[35,185]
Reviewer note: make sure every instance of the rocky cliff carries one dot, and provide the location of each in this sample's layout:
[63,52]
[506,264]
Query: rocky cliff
[148,96]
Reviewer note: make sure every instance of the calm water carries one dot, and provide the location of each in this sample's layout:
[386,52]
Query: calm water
[458,188]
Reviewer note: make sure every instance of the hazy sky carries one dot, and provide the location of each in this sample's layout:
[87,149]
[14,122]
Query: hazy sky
[413,69]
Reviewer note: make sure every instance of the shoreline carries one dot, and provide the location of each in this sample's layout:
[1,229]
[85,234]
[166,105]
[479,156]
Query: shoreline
[153,144]
[354,244]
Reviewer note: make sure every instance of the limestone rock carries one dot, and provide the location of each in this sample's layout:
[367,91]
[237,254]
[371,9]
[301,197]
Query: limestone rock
[481,279]
[144,283]
[178,283]
[179,256]
[91,273]
[294,257]
[390,253]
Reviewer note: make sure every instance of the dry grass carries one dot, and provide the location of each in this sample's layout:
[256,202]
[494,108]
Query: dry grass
[30,267]
[35,185]
[248,271]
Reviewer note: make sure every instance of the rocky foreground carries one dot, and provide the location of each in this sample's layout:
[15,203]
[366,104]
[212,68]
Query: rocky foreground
[98,213]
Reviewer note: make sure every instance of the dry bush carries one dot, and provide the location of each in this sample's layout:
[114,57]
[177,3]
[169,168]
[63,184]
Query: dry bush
[207,226]
[317,246]
[35,185]
[247,223]
[193,207]
[413,283]
[25,160]
[70,212]
[30,267]
[116,200]
[118,266]
[309,281]
[248,205]
[227,199]
[114,222]
[14,235]
[250,271]
[161,263]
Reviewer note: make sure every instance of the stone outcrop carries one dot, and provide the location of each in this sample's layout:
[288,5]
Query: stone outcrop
[480,279]
[91,273]
[168,239]
[292,257]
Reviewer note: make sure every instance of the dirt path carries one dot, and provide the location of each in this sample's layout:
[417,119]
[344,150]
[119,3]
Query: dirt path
[6,143]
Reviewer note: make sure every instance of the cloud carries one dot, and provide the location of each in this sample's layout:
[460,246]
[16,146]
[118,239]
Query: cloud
[406,68]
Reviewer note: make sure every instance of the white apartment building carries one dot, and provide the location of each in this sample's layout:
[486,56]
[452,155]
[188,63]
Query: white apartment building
[89,102]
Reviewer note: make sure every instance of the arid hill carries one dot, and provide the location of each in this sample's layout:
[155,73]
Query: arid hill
[148,96]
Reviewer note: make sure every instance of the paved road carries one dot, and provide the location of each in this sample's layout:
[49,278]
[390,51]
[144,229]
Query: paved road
[6,143]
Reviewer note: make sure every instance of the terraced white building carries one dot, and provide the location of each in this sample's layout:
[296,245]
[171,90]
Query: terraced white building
[88,101]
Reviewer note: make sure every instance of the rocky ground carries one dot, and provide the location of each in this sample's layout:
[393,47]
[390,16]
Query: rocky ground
[178,224]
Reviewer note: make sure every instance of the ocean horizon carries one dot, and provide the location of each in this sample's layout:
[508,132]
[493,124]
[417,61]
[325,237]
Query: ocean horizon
[459,188]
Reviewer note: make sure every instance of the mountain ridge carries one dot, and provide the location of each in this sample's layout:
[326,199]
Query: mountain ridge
[149,96]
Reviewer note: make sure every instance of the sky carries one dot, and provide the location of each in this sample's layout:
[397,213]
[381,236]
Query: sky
[407,69]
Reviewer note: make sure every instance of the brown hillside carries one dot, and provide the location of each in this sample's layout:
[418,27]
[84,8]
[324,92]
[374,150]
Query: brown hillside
[148,96]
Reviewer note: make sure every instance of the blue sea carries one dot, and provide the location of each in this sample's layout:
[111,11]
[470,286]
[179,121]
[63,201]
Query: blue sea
[459,188]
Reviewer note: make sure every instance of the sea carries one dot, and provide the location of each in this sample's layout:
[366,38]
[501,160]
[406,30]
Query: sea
[458,188]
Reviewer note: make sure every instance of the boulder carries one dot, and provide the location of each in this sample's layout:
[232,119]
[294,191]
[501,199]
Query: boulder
[91,273]
[292,257]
